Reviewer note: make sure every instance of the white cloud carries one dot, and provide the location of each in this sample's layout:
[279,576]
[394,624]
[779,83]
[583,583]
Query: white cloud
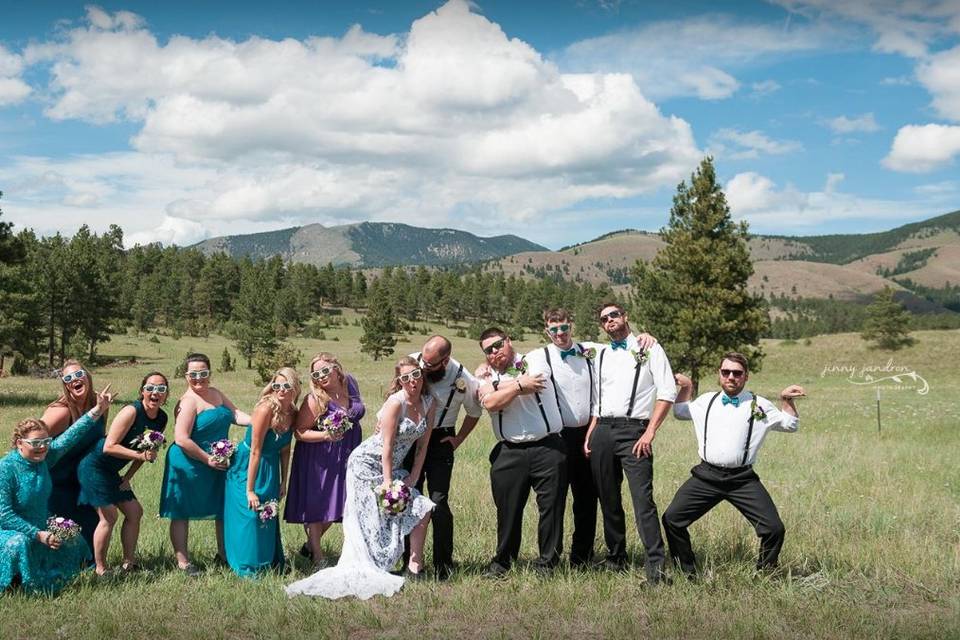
[865,123]
[923,148]
[12,88]
[171,230]
[764,88]
[940,75]
[693,57]
[740,145]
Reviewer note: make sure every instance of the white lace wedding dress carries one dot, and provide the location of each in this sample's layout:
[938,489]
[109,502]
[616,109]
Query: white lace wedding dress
[372,540]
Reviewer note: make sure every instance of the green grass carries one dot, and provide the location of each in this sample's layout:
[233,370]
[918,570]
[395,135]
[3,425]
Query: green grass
[872,546]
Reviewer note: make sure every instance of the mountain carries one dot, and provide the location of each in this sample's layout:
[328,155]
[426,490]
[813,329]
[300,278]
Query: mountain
[370,244]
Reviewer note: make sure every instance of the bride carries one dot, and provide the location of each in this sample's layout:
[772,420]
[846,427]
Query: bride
[372,539]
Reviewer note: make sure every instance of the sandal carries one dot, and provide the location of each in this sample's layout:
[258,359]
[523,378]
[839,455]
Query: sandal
[130,567]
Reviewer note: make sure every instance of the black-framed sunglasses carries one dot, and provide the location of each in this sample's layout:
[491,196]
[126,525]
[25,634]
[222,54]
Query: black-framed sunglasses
[560,328]
[613,315]
[276,386]
[324,372]
[159,388]
[79,374]
[202,374]
[494,346]
[430,365]
[409,377]
[37,443]
[732,373]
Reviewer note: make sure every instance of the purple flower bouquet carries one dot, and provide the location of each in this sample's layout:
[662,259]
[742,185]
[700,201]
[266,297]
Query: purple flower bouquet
[268,511]
[63,528]
[148,441]
[336,423]
[222,450]
[394,500]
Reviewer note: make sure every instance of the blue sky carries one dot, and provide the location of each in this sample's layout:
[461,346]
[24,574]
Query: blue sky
[557,121]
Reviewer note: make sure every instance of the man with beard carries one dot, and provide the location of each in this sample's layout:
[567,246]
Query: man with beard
[634,391]
[736,421]
[453,387]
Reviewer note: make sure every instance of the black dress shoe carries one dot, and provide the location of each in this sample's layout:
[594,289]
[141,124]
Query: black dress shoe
[444,572]
[612,564]
[495,571]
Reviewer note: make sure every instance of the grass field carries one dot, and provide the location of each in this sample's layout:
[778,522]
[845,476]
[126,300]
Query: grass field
[873,525]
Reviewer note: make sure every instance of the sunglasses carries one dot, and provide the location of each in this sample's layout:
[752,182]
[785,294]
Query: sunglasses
[734,373]
[159,388]
[37,443]
[202,374]
[407,378]
[561,328]
[613,315]
[494,346]
[276,386]
[324,372]
[430,365]
[76,375]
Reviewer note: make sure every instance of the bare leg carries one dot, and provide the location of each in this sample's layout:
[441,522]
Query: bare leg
[178,537]
[130,530]
[315,531]
[102,535]
[417,539]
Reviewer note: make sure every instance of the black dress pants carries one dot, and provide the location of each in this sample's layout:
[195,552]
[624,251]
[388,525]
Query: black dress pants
[707,486]
[436,473]
[515,468]
[612,458]
[584,494]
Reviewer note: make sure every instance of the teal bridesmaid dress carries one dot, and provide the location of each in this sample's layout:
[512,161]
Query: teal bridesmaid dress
[191,490]
[252,545]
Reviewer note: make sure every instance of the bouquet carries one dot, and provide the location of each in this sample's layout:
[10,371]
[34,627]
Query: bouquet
[394,500]
[148,441]
[222,450]
[336,423]
[63,528]
[267,511]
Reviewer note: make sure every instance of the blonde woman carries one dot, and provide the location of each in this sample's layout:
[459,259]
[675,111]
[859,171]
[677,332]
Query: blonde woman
[318,477]
[257,477]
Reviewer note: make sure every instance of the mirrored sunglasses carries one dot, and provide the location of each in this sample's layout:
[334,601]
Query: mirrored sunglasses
[76,375]
[202,374]
[159,388]
[407,378]
[560,328]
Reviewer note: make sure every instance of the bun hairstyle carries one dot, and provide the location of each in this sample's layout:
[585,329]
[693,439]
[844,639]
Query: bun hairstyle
[66,398]
[406,361]
[26,426]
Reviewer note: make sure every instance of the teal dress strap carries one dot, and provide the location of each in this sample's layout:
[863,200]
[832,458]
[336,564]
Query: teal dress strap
[69,438]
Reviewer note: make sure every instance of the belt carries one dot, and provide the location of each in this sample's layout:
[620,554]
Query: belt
[624,422]
[530,443]
[717,467]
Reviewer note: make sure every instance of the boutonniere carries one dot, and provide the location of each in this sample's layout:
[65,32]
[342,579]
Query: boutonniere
[460,384]
[589,353]
[518,367]
[756,411]
[640,356]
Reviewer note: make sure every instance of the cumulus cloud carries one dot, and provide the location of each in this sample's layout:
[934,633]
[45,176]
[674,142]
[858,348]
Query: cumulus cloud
[452,116]
[923,148]
[740,145]
[171,230]
[865,123]
[940,75]
[12,88]
[693,57]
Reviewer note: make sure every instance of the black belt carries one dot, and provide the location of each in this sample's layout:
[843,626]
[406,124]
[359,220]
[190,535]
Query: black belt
[531,443]
[625,422]
[717,467]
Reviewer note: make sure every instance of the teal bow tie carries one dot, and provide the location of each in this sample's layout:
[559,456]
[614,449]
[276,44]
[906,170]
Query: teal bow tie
[728,400]
[619,344]
[569,352]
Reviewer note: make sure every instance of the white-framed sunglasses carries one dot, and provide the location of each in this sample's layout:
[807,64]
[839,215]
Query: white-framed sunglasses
[324,372]
[407,378]
[37,443]
[76,375]
[276,386]
[159,388]
[202,374]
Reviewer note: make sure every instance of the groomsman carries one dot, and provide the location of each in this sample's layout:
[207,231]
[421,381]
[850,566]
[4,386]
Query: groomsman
[730,426]
[634,390]
[453,388]
[572,371]
[529,454]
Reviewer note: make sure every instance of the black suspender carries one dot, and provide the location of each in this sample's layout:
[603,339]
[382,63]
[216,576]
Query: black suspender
[453,390]
[746,445]
[706,420]
[590,372]
[546,352]
[633,392]
[600,384]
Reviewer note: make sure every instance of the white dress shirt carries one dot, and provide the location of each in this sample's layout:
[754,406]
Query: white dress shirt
[726,432]
[441,392]
[574,378]
[522,419]
[614,381]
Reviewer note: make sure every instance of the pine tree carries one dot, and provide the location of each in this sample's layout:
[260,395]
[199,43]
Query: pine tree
[379,329]
[888,323]
[693,295]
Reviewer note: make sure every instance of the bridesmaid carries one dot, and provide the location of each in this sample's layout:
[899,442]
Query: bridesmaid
[29,554]
[193,481]
[76,397]
[257,475]
[100,483]
[318,488]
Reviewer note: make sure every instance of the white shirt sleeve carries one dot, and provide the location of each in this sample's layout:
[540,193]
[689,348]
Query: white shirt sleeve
[662,374]
[537,364]
[778,420]
[471,403]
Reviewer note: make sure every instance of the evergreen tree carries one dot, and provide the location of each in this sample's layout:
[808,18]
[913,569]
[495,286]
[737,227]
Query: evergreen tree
[693,295]
[888,323]
[17,330]
[379,330]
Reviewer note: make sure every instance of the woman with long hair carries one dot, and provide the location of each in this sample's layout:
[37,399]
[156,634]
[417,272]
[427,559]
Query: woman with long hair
[372,537]
[101,485]
[257,478]
[318,477]
[76,398]
[193,478]
[32,553]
